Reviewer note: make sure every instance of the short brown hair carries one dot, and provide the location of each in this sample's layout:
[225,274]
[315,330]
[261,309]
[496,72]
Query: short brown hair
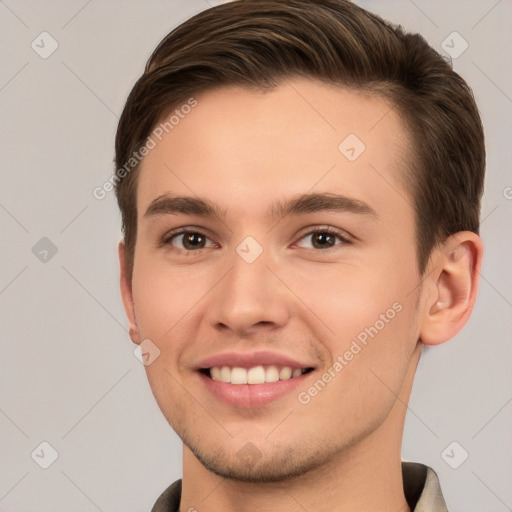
[258,43]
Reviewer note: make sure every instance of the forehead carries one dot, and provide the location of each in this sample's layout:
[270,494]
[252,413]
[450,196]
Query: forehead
[242,148]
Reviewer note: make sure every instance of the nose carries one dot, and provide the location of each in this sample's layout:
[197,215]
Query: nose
[250,298]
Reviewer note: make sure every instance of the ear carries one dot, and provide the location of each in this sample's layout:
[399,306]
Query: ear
[127,295]
[455,278]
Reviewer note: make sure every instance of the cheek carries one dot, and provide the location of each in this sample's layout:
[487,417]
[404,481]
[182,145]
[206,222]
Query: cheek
[367,321]
[163,295]
[370,360]
[348,299]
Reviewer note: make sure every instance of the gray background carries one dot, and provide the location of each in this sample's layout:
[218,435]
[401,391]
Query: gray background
[68,375]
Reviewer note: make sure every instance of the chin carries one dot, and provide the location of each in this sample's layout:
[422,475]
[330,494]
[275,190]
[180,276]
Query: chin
[250,465]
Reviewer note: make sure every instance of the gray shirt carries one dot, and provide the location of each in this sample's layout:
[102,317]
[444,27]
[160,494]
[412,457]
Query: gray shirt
[421,488]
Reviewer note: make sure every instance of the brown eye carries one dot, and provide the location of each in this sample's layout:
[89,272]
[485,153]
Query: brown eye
[188,240]
[323,239]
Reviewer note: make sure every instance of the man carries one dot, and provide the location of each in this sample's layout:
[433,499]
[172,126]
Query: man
[300,189]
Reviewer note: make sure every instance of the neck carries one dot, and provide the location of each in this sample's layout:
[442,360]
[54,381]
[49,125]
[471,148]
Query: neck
[366,476]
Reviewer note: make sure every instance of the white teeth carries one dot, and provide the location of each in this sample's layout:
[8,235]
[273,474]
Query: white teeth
[272,374]
[255,375]
[285,373]
[238,375]
[225,374]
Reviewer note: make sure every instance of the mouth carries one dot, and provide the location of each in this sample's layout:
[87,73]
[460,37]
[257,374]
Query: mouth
[260,374]
[252,379]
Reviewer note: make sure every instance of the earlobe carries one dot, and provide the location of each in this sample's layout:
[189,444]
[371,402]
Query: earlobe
[457,269]
[127,294]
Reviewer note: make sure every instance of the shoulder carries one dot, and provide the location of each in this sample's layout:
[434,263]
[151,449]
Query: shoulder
[422,488]
[169,500]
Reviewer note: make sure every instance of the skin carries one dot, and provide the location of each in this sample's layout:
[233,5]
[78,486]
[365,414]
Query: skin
[242,150]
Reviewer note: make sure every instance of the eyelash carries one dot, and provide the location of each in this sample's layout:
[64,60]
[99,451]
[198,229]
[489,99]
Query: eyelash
[167,239]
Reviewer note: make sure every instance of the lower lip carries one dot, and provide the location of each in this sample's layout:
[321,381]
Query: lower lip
[247,396]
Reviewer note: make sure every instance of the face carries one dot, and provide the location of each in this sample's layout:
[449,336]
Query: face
[282,294]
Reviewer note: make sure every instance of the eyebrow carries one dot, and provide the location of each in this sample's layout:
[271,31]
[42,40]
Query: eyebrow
[305,203]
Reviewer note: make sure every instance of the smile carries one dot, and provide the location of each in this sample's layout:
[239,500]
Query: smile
[253,378]
[256,375]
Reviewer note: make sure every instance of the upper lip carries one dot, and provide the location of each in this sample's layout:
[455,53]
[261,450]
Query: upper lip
[251,359]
